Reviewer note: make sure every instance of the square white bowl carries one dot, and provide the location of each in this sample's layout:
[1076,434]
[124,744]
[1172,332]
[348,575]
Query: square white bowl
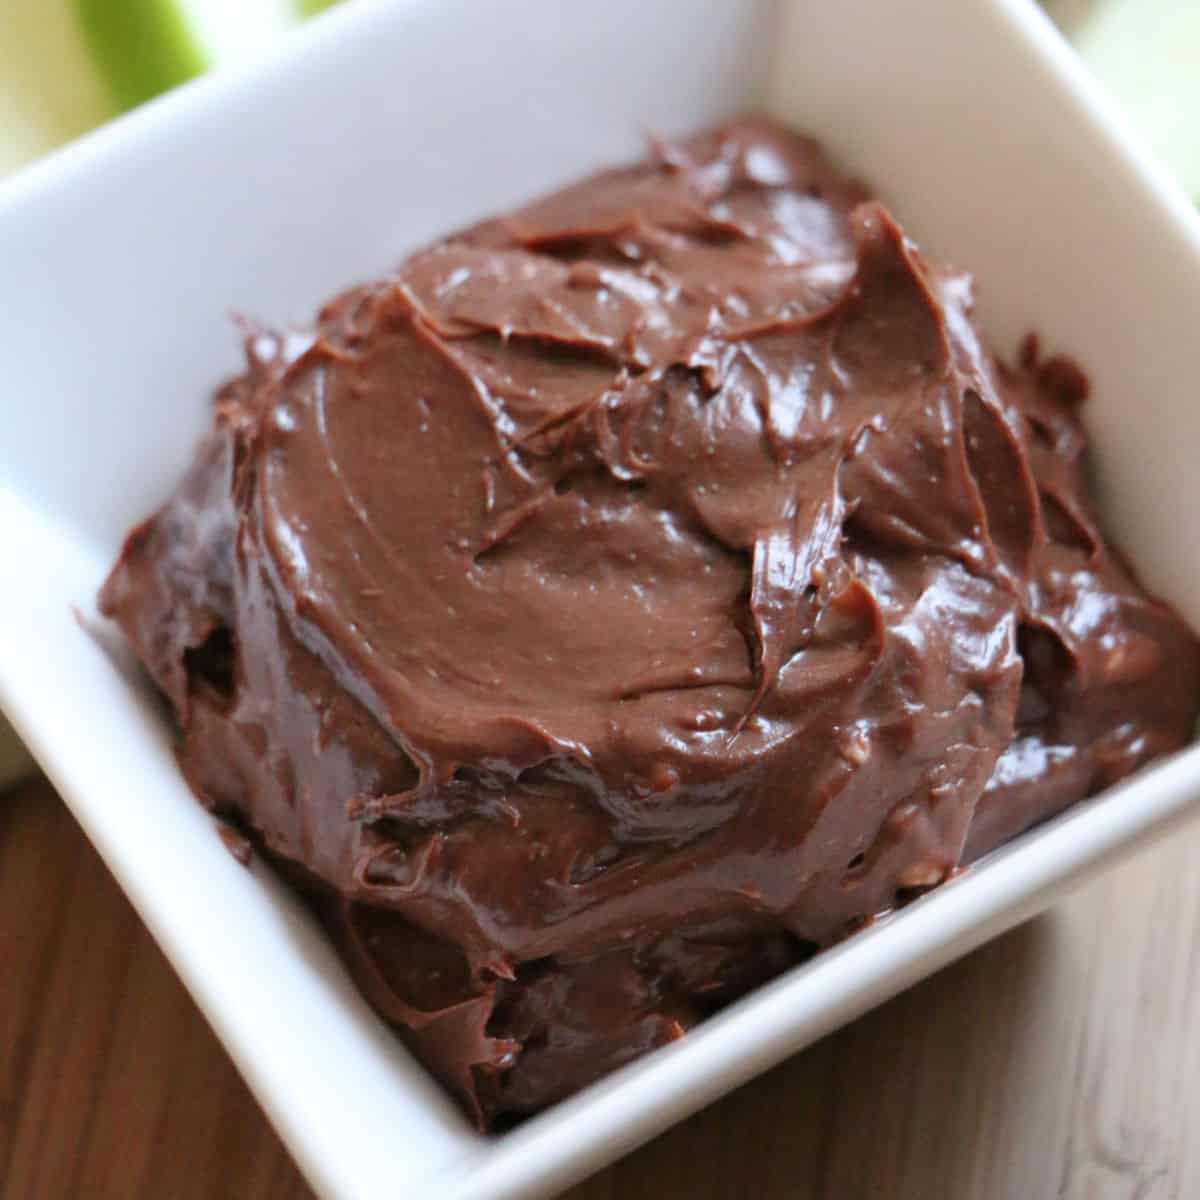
[264,190]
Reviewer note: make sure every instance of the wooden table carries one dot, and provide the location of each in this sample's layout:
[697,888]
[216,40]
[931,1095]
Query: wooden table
[1061,1061]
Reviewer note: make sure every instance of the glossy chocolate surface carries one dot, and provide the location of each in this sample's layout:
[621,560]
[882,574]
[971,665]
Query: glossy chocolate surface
[631,594]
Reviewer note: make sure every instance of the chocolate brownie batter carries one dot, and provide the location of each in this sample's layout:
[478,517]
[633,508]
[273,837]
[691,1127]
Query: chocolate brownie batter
[633,593]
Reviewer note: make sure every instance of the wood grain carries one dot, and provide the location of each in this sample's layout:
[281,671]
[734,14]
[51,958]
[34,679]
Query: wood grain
[1061,1061]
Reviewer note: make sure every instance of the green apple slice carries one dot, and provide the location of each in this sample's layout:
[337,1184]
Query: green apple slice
[68,65]
[49,90]
[143,47]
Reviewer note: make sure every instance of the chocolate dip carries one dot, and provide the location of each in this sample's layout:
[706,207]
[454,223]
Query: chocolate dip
[634,593]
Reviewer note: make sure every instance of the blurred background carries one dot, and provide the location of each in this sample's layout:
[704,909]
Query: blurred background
[67,66]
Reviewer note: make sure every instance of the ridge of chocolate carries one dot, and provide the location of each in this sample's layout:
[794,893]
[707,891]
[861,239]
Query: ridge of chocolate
[630,595]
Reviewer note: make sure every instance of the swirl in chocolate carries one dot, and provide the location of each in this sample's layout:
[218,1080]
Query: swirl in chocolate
[633,593]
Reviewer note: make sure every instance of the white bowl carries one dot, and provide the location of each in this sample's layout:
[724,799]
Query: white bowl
[382,125]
